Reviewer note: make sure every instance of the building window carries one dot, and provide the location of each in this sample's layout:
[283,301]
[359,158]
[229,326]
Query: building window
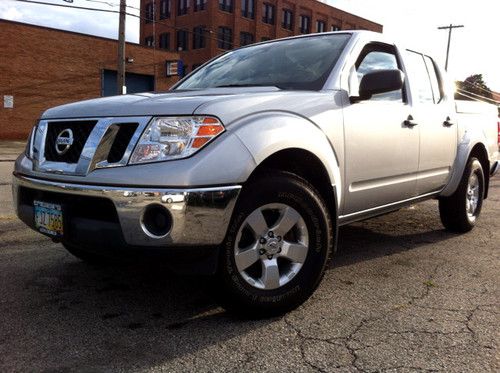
[149,41]
[149,13]
[247,8]
[305,24]
[335,28]
[200,5]
[182,7]
[246,38]
[165,40]
[182,40]
[226,5]
[165,7]
[268,13]
[225,38]
[199,37]
[320,26]
[287,22]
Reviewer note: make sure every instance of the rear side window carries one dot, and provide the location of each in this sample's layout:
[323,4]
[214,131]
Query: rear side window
[419,78]
[434,77]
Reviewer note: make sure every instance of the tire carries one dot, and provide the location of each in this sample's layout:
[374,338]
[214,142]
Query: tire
[277,275]
[85,255]
[460,211]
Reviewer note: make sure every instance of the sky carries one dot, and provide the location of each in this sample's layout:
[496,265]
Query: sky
[474,48]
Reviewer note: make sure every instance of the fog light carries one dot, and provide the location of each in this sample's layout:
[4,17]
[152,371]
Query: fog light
[156,221]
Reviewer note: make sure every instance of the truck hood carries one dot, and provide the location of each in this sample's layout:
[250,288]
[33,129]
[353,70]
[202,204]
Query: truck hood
[226,103]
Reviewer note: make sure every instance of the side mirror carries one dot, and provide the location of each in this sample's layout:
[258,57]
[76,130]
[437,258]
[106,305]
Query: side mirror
[379,81]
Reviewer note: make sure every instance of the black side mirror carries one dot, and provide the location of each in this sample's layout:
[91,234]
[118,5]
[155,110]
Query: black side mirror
[379,81]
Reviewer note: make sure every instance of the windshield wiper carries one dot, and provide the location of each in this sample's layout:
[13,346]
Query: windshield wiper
[248,85]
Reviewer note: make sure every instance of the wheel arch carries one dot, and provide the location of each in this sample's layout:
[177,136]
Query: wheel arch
[291,143]
[466,150]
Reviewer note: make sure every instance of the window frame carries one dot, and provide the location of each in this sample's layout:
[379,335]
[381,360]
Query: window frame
[303,18]
[284,13]
[377,46]
[225,38]
[268,13]
[165,9]
[322,23]
[226,6]
[246,38]
[185,40]
[248,9]
[182,7]
[199,40]
[149,13]
[164,36]
[149,41]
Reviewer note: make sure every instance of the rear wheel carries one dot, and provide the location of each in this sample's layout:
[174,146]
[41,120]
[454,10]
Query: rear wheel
[459,212]
[277,247]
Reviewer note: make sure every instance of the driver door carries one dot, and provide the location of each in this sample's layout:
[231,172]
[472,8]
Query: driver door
[381,152]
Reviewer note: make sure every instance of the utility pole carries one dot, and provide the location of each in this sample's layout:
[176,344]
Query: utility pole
[450,27]
[121,50]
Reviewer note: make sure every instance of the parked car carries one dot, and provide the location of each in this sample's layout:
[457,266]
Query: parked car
[248,166]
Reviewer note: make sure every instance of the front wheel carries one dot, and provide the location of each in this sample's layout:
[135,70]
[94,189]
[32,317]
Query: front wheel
[459,212]
[277,247]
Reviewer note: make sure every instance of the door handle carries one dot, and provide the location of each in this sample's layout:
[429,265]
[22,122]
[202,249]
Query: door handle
[410,122]
[448,122]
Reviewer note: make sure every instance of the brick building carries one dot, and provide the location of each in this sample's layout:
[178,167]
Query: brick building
[202,29]
[42,67]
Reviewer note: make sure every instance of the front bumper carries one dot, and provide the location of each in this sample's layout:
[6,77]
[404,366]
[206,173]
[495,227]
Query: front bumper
[200,216]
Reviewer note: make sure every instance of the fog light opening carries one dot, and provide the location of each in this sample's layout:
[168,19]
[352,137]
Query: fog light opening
[156,221]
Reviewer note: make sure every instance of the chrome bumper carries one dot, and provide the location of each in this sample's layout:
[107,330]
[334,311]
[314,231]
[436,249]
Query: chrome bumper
[200,216]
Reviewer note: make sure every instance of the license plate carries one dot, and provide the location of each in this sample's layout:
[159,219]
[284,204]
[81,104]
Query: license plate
[48,218]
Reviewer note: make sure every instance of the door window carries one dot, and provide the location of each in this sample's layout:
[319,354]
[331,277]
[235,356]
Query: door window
[375,57]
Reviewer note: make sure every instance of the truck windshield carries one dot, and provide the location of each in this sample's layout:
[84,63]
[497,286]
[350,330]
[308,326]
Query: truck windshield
[293,64]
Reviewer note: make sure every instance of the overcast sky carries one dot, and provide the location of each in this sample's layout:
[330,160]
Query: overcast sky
[474,48]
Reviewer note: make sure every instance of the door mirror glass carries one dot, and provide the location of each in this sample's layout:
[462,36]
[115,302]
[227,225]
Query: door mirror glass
[379,81]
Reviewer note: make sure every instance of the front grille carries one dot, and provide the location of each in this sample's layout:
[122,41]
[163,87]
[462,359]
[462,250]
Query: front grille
[122,139]
[81,131]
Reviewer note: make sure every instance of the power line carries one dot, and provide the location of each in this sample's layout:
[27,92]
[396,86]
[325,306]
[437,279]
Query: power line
[117,12]
[479,97]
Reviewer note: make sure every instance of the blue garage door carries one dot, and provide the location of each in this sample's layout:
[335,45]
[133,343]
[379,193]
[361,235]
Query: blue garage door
[135,83]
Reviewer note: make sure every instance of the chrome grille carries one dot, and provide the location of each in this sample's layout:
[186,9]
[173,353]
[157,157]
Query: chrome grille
[97,143]
[81,131]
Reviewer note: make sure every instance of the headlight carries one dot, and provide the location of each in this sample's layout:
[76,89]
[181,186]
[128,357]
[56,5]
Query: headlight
[29,144]
[175,137]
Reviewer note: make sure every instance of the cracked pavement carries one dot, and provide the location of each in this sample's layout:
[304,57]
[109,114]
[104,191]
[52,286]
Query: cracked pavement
[401,295]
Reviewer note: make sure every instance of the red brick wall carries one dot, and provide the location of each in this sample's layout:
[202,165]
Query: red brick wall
[212,18]
[43,68]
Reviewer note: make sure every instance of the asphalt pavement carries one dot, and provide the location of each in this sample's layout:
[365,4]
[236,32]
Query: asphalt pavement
[401,295]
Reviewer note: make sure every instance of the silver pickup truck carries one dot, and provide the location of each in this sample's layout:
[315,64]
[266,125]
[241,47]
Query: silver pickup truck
[246,168]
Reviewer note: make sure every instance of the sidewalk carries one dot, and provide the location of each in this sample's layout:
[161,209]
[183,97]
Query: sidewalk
[9,151]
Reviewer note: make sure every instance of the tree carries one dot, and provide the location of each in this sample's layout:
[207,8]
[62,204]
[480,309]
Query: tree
[473,86]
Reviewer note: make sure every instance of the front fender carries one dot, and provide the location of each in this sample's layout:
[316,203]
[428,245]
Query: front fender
[265,134]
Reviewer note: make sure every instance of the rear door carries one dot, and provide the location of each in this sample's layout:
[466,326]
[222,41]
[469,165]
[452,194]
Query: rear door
[436,120]
[381,152]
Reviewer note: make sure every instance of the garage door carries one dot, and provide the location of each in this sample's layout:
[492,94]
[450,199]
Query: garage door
[135,83]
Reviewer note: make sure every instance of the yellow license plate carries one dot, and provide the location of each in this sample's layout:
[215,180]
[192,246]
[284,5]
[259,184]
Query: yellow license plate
[48,218]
